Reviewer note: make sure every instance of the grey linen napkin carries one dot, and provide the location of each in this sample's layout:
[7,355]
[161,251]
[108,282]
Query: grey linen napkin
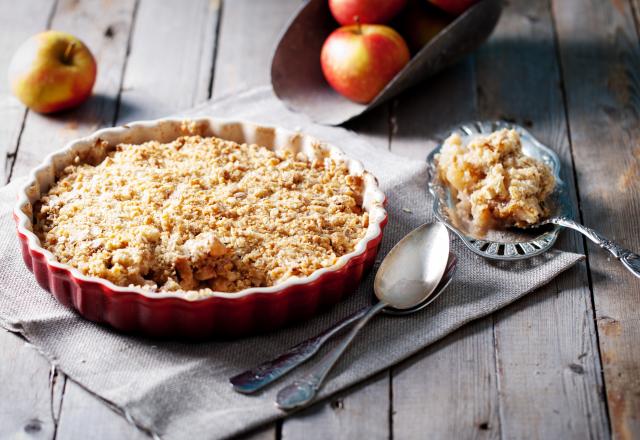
[179,390]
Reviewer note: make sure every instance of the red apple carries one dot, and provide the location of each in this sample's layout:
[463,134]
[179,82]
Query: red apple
[365,11]
[455,7]
[420,22]
[358,61]
[52,71]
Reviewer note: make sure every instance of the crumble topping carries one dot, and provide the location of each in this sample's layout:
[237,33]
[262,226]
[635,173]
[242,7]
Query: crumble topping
[495,183]
[202,214]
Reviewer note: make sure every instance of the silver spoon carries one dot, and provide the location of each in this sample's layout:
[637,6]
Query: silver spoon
[629,259]
[255,379]
[516,243]
[409,274]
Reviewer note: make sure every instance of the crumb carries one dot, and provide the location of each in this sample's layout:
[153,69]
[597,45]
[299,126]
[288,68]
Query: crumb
[495,183]
[202,214]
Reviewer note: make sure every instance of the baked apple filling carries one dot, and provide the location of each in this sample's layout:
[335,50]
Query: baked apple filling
[495,183]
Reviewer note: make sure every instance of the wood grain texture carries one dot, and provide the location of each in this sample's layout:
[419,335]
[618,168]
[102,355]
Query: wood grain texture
[30,406]
[448,391]
[546,348]
[32,398]
[361,412]
[249,31]
[26,18]
[82,413]
[170,65]
[180,79]
[600,55]
[105,28]
[106,31]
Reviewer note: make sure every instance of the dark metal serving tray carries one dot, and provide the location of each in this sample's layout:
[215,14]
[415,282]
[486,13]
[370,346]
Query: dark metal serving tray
[296,75]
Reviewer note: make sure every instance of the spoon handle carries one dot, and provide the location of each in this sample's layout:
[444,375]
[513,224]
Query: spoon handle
[262,375]
[302,391]
[629,259]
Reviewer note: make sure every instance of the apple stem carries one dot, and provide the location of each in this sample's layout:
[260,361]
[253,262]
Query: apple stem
[358,24]
[67,52]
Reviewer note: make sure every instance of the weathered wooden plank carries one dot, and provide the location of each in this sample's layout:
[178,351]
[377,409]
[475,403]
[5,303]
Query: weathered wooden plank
[106,31]
[249,31]
[83,413]
[177,72]
[26,18]
[600,56]
[362,412]
[31,402]
[170,65]
[448,391]
[546,348]
[105,28]
[30,408]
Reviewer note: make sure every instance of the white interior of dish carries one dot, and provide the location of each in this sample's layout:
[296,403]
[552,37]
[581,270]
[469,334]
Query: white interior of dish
[166,130]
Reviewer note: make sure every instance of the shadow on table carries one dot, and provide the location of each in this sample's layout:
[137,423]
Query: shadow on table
[520,81]
[98,111]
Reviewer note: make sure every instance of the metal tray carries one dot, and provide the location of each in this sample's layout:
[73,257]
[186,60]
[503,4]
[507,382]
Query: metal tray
[296,75]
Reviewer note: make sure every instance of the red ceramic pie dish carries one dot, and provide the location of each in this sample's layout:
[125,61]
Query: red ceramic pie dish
[171,315]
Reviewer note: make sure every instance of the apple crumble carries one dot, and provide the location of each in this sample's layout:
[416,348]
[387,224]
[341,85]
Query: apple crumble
[202,213]
[495,183]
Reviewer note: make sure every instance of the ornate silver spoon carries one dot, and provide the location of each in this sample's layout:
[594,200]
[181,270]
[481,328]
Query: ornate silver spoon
[408,276]
[517,244]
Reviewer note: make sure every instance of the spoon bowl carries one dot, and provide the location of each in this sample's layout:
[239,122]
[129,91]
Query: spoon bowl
[452,264]
[412,270]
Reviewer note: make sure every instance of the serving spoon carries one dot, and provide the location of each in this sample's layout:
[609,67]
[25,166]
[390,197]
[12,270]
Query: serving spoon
[408,276]
[257,378]
[629,259]
[518,243]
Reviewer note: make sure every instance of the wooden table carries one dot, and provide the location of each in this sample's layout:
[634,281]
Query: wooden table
[562,363]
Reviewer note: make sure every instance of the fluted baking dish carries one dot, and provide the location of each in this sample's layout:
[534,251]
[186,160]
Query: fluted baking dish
[173,315]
